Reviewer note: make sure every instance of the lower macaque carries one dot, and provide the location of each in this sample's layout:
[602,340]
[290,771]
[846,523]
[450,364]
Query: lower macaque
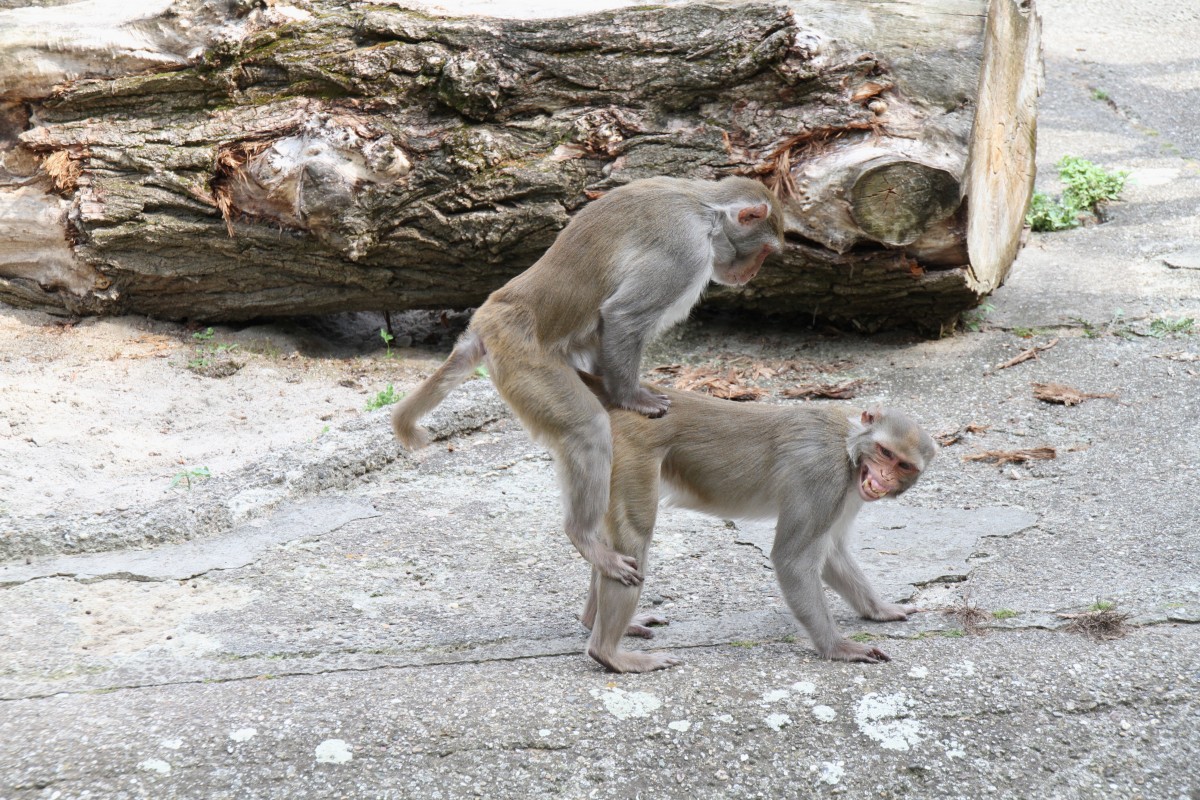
[810,467]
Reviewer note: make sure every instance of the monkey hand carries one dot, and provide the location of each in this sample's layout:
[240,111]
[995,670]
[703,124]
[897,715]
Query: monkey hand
[614,565]
[846,650]
[649,403]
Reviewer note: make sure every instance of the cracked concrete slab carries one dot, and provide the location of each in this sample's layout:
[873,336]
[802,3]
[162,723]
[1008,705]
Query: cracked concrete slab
[239,547]
[435,650]
[1183,259]
[902,548]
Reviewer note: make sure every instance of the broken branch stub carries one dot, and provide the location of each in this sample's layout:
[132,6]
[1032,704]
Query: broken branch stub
[296,161]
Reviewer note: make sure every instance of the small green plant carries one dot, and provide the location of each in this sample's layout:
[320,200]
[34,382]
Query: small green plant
[954,633]
[863,637]
[1090,331]
[481,372]
[1117,326]
[1047,214]
[1099,94]
[384,398]
[1102,605]
[1166,327]
[211,359]
[743,643]
[791,637]
[387,340]
[1003,613]
[975,319]
[1086,186]
[1029,333]
[1088,183]
[186,476]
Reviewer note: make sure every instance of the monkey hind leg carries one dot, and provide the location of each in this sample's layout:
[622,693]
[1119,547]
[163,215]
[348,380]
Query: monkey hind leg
[556,407]
[615,605]
[454,370]
[639,625]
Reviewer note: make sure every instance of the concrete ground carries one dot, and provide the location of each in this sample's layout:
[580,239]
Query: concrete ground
[407,627]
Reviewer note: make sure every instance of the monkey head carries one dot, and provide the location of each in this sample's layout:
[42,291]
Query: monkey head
[889,452]
[751,228]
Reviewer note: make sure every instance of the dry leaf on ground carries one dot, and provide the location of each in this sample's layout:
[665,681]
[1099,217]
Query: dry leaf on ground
[1064,395]
[948,438]
[727,384]
[1014,456]
[1026,355]
[833,391]
[1180,355]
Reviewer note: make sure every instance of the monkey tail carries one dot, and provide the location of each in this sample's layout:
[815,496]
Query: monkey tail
[467,354]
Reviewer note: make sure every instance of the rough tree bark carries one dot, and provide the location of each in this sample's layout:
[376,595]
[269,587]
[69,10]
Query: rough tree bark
[182,161]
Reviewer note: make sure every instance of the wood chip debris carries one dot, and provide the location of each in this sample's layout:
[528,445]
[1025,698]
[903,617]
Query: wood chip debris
[833,391]
[740,378]
[1180,355]
[948,438]
[1026,355]
[1003,457]
[728,384]
[1064,395]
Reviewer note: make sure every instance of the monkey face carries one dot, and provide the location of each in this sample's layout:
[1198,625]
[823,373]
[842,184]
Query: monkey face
[885,472]
[751,233]
[739,273]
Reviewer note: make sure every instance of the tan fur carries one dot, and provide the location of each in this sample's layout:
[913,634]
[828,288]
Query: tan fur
[797,464]
[626,266]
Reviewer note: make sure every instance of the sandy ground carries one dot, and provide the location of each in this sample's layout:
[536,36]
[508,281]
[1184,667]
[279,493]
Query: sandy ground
[110,414]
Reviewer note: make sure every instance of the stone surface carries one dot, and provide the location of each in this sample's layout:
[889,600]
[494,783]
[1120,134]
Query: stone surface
[434,650]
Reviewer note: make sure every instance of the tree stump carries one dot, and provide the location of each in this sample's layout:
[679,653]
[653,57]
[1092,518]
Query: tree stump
[184,159]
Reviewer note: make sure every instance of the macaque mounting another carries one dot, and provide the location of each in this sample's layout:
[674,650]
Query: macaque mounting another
[627,266]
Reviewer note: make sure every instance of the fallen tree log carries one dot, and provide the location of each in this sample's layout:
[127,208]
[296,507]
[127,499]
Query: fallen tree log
[182,161]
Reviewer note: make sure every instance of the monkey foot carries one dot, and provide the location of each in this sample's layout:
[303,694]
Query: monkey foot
[893,612]
[640,625]
[625,661]
[847,650]
[648,403]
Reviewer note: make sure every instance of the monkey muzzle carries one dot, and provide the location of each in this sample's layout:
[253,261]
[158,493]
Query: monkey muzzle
[752,267]
[871,486]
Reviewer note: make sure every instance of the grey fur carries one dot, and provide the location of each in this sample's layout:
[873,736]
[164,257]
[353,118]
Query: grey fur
[801,465]
[626,266]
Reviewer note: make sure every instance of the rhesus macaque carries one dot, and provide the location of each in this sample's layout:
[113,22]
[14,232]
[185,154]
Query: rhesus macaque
[810,467]
[627,266]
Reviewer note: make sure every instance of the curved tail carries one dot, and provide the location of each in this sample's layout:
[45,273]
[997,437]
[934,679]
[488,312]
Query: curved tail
[454,370]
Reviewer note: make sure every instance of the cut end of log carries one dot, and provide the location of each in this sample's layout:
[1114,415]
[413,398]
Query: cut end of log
[1001,159]
[895,203]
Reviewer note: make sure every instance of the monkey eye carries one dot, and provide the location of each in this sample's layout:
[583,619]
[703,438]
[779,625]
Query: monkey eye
[888,454]
[906,467]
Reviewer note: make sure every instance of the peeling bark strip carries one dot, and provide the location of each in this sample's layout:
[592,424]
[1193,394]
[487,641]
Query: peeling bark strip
[357,157]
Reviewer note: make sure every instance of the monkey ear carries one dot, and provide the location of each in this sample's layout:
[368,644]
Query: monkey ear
[752,214]
[869,416]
